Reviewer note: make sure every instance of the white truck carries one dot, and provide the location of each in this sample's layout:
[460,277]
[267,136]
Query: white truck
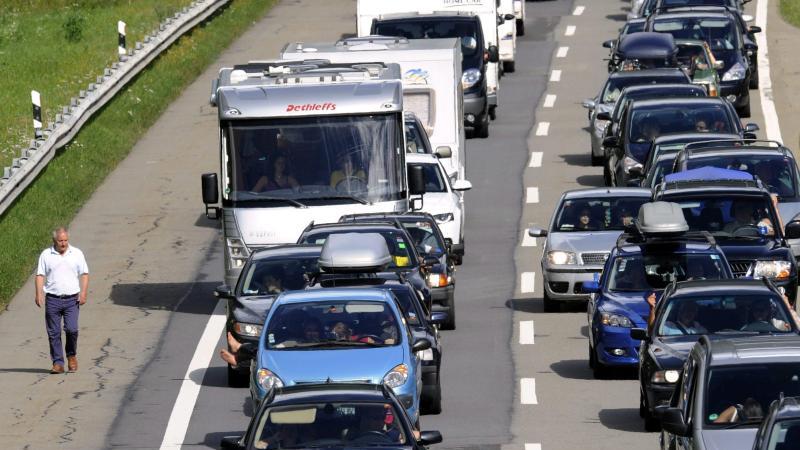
[303,141]
[432,90]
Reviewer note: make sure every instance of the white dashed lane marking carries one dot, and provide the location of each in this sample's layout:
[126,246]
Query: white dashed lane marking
[526,332]
[578,10]
[562,52]
[533,446]
[527,282]
[528,241]
[570,31]
[555,75]
[533,195]
[528,391]
[542,128]
[536,159]
[549,101]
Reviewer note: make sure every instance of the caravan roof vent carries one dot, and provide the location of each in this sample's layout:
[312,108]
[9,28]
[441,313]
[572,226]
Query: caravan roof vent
[661,218]
[354,252]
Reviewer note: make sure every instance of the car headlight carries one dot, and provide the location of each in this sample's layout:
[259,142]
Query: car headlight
[778,270]
[558,257]
[247,329]
[397,376]
[629,163]
[444,218]
[438,280]
[735,73]
[666,376]
[470,78]
[615,320]
[238,252]
[268,380]
[426,355]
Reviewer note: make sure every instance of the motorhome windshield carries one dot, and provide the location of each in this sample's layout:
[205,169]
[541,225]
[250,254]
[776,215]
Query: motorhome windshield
[467,31]
[315,159]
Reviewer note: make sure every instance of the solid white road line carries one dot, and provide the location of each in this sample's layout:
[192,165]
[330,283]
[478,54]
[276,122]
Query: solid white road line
[536,159]
[533,446]
[526,332]
[562,52]
[190,389]
[578,10]
[528,391]
[555,75]
[528,241]
[570,31]
[549,101]
[772,125]
[542,128]
[533,195]
[527,282]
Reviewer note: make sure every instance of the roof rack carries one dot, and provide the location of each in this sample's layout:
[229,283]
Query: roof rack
[744,143]
[689,8]
[371,39]
[626,239]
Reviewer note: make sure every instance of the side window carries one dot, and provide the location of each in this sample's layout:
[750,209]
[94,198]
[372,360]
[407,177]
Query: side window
[689,389]
[683,390]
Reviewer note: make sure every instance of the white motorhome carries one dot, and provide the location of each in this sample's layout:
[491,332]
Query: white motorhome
[304,141]
[369,11]
[431,71]
[507,35]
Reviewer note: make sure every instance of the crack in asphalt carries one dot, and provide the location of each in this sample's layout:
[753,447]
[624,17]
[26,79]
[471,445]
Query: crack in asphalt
[71,426]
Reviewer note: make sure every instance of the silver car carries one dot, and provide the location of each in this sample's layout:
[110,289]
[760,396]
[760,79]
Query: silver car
[583,230]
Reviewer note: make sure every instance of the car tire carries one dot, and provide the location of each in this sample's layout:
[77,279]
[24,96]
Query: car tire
[650,422]
[451,316]
[592,358]
[520,27]
[493,112]
[509,66]
[482,128]
[237,379]
[550,305]
[754,79]
[744,111]
[433,403]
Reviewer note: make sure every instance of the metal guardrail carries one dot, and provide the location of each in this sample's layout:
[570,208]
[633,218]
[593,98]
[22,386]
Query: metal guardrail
[24,170]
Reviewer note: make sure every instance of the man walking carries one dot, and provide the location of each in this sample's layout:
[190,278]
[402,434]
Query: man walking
[62,280]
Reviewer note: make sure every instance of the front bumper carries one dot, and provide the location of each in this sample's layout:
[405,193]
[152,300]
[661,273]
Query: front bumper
[738,90]
[566,284]
[407,394]
[443,296]
[475,104]
[612,340]
[658,394]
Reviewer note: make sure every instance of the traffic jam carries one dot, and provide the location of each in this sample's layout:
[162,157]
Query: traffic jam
[340,198]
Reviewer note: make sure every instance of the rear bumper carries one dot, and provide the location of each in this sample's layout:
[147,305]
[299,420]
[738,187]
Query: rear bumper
[443,296]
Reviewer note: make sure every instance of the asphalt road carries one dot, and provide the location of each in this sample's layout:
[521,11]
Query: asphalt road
[151,296]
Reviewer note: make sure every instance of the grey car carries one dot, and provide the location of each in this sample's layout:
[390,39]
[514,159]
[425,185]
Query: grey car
[582,232]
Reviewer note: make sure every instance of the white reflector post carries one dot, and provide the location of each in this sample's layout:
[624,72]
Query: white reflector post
[121,30]
[36,100]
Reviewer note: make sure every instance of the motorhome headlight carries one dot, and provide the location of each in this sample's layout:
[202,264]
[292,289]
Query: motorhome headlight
[268,380]
[558,257]
[615,320]
[443,218]
[665,376]
[238,252]
[777,270]
[470,78]
[397,376]
[735,73]
[629,163]
[247,329]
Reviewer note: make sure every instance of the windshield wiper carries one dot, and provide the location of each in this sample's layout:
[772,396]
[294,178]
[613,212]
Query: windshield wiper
[340,197]
[280,199]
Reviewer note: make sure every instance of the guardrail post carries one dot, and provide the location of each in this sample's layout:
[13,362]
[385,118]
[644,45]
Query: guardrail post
[36,100]
[121,48]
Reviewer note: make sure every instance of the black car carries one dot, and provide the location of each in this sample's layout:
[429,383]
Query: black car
[479,103]
[729,43]
[642,121]
[724,389]
[630,27]
[331,416]
[266,274]
[664,150]
[689,309]
[405,258]
[644,50]
[780,429]
[432,245]
[739,212]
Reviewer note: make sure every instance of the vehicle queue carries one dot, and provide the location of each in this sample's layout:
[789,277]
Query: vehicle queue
[685,258]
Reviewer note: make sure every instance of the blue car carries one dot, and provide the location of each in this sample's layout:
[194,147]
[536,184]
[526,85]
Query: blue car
[643,263]
[339,335]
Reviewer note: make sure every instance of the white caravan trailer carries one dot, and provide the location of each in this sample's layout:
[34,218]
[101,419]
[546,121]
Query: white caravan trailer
[368,11]
[431,82]
[507,35]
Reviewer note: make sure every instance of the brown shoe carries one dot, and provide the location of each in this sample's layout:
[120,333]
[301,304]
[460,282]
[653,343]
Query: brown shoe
[57,368]
[72,363]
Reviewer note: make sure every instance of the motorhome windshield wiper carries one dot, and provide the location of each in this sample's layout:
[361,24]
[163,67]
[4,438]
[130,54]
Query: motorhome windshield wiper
[281,199]
[340,197]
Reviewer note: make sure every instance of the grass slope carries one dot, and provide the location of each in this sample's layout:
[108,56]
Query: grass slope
[790,10]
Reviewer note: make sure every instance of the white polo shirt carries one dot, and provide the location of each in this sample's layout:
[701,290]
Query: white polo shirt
[62,272]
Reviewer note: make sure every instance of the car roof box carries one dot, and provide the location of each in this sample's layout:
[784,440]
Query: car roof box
[661,219]
[354,252]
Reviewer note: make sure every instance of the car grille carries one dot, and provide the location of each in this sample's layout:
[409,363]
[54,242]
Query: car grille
[594,259]
[740,268]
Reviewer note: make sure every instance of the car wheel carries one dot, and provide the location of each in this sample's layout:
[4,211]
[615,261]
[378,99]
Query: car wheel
[451,316]
[482,129]
[592,358]
[550,305]
[433,404]
[744,111]
[642,406]
[520,27]
[493,112]
[509,66]
[236,378]
[599,371]
[650,422]
[754,79]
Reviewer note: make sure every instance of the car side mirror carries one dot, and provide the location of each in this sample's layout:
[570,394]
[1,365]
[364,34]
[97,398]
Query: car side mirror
[792,230]
[462,185]
[429,437]
[509,17]
[438,317]
[751,128]
[590,287]
[608,44]
[719,65]
[754,29]
[231,443]
[223,291]
[639,333]
[214,86]
[603,116]
[589,103]
[430,261]
[443,152]
[749,46]
[672,420]
[449,244]
[611,142]
[493,54]
[416,180]
[420,345]
[635,172]
[536,232]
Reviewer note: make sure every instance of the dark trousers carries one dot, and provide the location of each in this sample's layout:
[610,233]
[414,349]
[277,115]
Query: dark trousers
[56,309]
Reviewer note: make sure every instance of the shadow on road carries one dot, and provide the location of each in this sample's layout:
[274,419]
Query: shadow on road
[204,222]
[585,331]
[574,369]
[617,17]
[623,419]
[167,296]
[529,305]
[577,159]
[25,370]
[215,376]
[590,180]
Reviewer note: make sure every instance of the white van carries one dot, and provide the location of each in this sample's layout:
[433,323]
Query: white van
[507,35]
[431,71]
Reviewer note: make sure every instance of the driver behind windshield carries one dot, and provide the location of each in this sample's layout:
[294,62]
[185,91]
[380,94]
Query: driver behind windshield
[347,173]
[744,216]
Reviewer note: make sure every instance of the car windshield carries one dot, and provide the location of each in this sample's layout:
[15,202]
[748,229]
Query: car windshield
[720,33]
[403,255]
[314,159]
[744,392]
[615,85]
[434,181]
[273,276]
[334,323]
[784,434]
[653,271]
[709,314]
[730,217]
[600,214]
[433,29]
[775,171]
[415,142]
[330,425]
[647,123]
[426,239]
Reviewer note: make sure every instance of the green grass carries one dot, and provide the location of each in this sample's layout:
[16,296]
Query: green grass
[78,170]
[58,47]
[790,10]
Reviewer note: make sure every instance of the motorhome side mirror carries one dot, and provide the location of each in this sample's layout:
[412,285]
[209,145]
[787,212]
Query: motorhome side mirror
[214,85]
[494,54]
[611,142]
[416,204]
[223,291]
[639,333]
[420,345]
[416,180]
[754,29]
[430,437]
[210,188]
[672,421]
[608,44]
[231,443]
[590,287]
[462,185]
[443,151]
[536,232]
[792,230]
[509,17]
[603,116]
[438,317]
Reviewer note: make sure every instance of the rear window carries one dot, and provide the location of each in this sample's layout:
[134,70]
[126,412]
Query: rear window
[615,85]
[432,29]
